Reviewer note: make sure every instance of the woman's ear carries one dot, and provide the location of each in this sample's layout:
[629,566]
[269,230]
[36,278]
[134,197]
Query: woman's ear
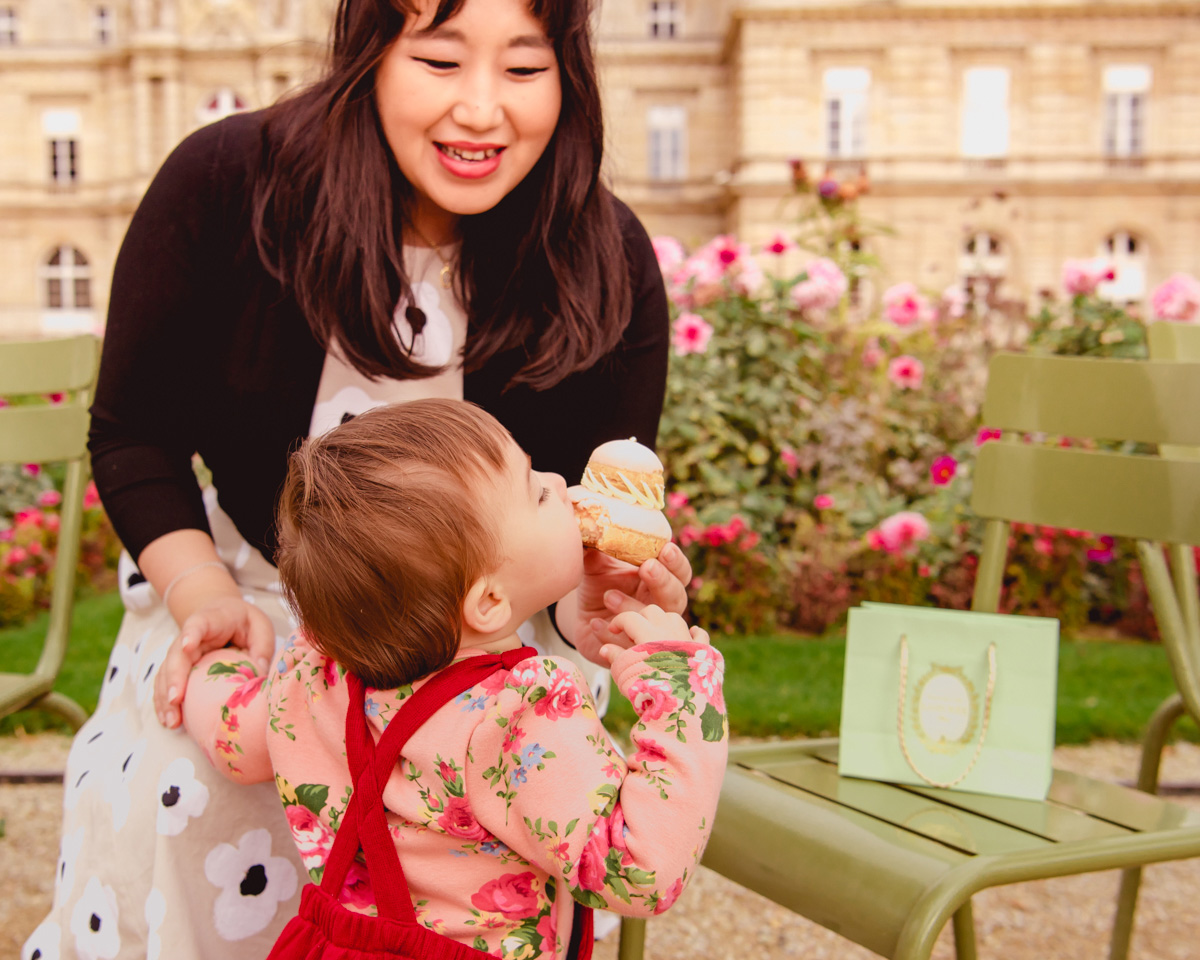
[486,608]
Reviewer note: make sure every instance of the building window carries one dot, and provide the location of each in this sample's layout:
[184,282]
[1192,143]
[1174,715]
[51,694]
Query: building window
[1125,91]
[102,25]
[66,278]
[985,112]
[983,267]
[668,143]
[8,26]
[846,111]
[220,104]
[666,18]
[1128,256]
[61,129]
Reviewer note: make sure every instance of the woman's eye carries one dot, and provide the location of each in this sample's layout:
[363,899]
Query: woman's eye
[437,64]
[527,71]
[544,495]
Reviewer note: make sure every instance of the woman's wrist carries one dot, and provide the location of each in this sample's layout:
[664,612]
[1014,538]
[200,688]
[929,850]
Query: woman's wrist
[184,569]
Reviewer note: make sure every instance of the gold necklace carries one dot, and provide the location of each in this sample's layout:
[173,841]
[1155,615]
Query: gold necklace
[446,272]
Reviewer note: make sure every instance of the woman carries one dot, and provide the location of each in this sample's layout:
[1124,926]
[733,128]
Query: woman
[426,220]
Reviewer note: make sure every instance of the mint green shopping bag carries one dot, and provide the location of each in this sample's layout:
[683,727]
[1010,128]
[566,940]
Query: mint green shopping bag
[950,698]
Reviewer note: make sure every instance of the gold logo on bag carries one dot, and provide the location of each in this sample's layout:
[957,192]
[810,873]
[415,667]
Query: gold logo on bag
[945,709]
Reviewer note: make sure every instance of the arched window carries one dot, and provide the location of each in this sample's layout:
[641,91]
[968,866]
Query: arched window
[221,103]
[983,267]
[67,280]
[1128,255]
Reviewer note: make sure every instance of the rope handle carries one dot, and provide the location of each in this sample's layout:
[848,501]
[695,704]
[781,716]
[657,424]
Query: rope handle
[983,731]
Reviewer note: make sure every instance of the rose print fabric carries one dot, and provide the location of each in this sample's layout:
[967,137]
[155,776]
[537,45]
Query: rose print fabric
[510,803]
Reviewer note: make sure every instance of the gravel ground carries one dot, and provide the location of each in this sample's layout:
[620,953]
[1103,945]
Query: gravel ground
[1062,919]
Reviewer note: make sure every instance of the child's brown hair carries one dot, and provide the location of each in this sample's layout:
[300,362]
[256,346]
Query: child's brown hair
[381,534]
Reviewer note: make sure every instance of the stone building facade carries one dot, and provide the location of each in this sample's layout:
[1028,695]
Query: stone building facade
[1000,136]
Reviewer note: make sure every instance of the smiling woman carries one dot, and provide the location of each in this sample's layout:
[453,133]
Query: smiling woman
[454,140]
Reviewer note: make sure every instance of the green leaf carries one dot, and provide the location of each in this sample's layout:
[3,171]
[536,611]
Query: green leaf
[589,898]
[712,724]
[217,669]
[313,796]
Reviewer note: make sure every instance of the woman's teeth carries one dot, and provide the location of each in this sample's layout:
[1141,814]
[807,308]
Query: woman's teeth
[468,155]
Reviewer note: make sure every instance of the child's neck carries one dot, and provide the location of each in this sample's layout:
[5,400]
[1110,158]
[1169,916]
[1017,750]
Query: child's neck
[475,643]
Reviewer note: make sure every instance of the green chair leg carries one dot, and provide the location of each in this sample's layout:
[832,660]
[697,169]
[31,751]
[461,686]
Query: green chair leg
[63,706]
[964,932]
[633,939]
[1131,880]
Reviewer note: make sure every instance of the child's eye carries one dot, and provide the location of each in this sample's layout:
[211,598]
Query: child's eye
[544,495]
[437,64]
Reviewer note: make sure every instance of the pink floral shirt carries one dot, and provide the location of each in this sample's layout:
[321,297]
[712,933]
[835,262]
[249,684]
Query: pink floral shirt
[509,797]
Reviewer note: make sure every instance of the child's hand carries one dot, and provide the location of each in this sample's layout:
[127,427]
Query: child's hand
[650,625]
[218,623]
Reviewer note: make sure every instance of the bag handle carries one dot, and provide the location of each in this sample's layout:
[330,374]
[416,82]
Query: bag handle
[983,731]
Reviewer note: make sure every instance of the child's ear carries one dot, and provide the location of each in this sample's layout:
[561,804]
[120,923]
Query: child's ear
[486,608]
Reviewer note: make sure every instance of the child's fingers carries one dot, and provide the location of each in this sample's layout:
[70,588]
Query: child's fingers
[700,636]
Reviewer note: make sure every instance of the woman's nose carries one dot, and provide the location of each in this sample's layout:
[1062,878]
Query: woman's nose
[478,106]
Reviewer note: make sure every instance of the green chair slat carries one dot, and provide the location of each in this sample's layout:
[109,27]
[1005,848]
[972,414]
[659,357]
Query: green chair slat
[1150,401]
[1173,341]
[1051,821]
[1089,490]
[908,810]
[1143,812]
[43,434]
[47,366]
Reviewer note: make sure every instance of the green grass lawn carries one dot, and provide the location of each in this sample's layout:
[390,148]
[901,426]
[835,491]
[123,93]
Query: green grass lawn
[778,685]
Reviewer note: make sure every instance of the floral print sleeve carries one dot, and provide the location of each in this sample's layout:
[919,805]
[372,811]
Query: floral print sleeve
[225,712]
[546,780]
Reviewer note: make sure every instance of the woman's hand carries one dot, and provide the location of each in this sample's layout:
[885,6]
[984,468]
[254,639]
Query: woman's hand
[219,622]
[610,587]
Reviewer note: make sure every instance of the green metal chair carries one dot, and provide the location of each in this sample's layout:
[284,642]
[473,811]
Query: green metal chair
[47,433]
[887,865]
[1177,611]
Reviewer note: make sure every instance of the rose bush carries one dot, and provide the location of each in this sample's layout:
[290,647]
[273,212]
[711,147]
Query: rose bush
[818,456]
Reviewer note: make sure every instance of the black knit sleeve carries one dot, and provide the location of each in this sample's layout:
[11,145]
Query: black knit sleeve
[619,397]
[143,430]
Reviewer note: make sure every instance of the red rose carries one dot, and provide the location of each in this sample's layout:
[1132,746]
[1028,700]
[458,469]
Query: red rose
[459,821]
[562,698]
[512,895]
[592,869]
[447,772]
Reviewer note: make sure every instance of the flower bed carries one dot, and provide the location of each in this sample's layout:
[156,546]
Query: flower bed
[820,450]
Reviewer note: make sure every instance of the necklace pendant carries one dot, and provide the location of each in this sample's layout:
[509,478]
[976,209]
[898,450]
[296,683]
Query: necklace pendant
[446,279]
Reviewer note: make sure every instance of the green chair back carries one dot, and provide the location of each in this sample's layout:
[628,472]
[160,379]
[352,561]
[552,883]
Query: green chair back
[1149,497]
[49,433]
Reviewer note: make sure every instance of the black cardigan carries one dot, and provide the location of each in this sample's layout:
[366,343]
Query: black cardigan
[205,353]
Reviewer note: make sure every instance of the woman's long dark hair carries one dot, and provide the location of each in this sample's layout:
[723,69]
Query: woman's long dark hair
[545,267]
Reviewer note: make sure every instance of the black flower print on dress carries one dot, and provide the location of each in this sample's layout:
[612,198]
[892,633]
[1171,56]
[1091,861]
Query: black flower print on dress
[253,883]
[45,943]
[180,797]
[94,923]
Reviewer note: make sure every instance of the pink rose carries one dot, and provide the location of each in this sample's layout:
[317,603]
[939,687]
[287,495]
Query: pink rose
[512,739]
[706,671]
[330,672]
[904,305]
[447,772]
[667,900]
[689,534]
[547,929]
[954,301]
[899,532]
[616,834]
[1177,298]
[822,288]
[592,868]
[525,673]
[778,244]
[313,838]
[651,698]
[91,498]
[458,821]
[49,498]
[356,891]
[494,683]
[823,501]
[942,470]
[562,698]
[32,469]
[513,895]
[872,355]
[648,751]
[690,334]
[669,253]
[246,690]
[906,372]
[1084,276]
[985,434]
[791,461]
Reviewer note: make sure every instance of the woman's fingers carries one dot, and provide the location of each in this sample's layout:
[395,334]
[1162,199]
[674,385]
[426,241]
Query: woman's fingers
[664,580]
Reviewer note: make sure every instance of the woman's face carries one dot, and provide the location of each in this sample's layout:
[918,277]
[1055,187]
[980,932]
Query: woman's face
[468,107]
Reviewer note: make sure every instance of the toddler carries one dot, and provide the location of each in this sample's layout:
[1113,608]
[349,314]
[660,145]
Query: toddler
[412,537]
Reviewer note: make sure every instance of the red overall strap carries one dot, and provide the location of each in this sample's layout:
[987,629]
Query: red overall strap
[364,822]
